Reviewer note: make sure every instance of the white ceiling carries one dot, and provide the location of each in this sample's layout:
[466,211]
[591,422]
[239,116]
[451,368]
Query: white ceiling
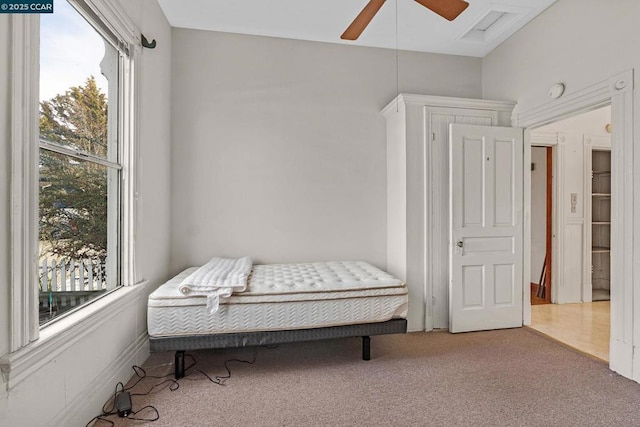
[418,29]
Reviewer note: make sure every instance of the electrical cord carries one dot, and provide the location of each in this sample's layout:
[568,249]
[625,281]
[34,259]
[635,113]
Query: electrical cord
[220,379]
[109,408]
[100,418]
[142,374]
[108,412]
[135,413]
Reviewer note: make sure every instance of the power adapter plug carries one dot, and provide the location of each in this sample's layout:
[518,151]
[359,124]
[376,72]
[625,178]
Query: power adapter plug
[123,403]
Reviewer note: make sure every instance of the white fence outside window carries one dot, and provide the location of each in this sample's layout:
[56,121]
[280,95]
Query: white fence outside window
[66,284]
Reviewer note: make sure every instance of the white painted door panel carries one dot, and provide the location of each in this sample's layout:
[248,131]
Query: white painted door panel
[438,276]
[486,228]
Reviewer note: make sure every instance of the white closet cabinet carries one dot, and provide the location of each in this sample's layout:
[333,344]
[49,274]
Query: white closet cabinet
[418,195]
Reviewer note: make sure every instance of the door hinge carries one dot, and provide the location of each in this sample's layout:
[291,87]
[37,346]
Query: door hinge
[433,137]
[433,300]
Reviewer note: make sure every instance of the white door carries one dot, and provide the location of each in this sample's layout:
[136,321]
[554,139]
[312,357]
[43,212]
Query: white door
[486,211]
[438,277]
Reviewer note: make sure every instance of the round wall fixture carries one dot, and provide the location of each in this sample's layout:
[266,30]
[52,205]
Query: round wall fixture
[556,91]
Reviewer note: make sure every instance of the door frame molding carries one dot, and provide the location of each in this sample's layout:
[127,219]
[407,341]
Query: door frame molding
[618,92]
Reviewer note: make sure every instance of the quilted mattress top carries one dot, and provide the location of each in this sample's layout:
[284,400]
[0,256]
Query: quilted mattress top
[294,282]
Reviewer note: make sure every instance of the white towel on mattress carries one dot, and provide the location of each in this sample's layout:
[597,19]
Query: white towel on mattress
[218,278]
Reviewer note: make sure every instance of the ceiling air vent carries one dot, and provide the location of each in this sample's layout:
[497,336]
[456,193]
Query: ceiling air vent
[490,26]
[488,20]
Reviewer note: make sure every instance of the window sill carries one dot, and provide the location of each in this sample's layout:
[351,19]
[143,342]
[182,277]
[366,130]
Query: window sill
[60,335]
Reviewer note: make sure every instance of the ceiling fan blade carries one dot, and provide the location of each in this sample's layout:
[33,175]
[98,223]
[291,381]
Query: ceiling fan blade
[448,9]
[362,20]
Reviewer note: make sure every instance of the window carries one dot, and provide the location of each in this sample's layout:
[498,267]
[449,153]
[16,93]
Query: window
[120,39]
[80,166]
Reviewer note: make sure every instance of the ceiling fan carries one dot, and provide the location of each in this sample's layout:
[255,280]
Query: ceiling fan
[448,9]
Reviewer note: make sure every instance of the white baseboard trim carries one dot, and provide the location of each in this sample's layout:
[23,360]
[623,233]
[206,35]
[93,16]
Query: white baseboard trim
[621,358]
[636,365]
[89,402]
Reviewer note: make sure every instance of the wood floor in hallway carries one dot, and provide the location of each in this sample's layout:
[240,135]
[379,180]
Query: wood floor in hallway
[585,326]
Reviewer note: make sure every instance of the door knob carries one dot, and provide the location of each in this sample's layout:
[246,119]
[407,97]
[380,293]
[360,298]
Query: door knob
[460,244]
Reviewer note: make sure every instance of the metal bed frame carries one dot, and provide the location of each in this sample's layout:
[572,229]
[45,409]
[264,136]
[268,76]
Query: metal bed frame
[180,344]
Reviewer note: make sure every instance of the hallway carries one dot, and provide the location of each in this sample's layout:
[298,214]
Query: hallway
[585,326]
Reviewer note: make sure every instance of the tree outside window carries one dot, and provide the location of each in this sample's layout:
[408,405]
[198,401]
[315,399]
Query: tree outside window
[79,170]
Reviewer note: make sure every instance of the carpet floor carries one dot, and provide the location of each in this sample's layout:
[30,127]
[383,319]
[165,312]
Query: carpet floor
[513,377]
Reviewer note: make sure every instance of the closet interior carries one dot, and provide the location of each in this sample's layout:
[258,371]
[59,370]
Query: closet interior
[601,224]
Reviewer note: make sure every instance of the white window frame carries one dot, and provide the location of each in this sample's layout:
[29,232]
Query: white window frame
[30,347]
[25,31]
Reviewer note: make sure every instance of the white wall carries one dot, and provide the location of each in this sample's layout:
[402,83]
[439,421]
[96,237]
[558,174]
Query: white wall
[279,145]
[154,160]
[577,42]
[592,123]
[581,43]
[572,222]
[71,387]
[538,211]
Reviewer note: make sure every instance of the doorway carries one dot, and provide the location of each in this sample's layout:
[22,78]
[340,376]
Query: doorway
[541,224]
[570,230]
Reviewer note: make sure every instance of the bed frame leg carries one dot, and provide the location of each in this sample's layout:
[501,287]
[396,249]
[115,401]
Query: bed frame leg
[366,348]
[179,364]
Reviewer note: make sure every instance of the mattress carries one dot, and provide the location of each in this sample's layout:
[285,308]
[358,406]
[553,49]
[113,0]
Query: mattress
[283,297]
